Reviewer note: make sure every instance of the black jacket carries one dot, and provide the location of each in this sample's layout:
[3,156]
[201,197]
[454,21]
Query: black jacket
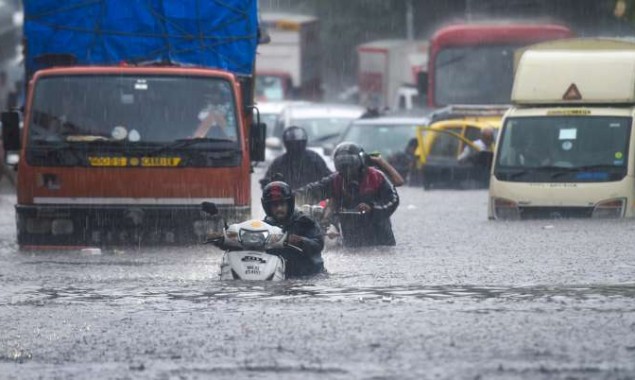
[309,261]
[374,189]
[296,170]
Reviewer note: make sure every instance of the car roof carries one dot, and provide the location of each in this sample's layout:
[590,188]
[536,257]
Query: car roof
[277,107]
[307,111]
[480,123]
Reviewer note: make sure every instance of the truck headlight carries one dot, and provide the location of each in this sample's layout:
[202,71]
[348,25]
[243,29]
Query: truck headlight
[611,208]
[62,227]
[505,209]
[38,226]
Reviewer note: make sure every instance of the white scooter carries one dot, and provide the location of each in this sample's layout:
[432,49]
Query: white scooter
[247,243]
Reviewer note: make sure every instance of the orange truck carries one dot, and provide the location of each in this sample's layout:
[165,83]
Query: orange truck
[130,125]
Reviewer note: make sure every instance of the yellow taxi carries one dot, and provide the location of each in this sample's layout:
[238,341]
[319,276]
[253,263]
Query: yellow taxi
[442,141]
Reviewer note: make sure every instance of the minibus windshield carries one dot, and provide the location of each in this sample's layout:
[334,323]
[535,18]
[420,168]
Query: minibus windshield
[564,149]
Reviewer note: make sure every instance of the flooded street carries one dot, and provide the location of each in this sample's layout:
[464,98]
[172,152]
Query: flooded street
[459,297]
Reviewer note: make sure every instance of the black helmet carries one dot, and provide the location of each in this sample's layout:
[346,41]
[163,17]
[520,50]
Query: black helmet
[277,191]
[294,139]
[349,158]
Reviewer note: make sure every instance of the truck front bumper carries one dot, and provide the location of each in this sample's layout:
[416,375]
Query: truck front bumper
[77,226]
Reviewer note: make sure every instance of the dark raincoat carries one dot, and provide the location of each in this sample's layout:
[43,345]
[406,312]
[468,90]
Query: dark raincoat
[297,170]
[309,261]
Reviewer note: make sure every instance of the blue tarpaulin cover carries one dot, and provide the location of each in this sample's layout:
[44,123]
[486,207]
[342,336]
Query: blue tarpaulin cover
[219,34]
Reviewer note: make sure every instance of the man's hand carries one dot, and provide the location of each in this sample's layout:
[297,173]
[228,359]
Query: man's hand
[295,240]
[215,235]
[216,238]
[377,160]
[364,208]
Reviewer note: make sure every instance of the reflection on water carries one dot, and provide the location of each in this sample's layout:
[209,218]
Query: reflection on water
[294,291]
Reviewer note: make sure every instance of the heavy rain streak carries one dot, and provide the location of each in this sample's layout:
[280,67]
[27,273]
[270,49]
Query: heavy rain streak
[377,189]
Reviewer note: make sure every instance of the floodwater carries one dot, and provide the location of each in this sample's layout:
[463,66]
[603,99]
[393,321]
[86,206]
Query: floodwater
[459,297]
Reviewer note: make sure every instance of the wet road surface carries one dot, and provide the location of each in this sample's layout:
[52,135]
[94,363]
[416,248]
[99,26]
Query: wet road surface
[459,297]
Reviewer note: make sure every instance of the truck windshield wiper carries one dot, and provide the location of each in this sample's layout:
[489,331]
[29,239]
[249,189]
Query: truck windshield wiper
[184,143]
[58,146]
[458,58]
[518,173]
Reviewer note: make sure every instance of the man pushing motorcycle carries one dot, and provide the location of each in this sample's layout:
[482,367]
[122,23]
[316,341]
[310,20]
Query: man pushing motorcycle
[361,196]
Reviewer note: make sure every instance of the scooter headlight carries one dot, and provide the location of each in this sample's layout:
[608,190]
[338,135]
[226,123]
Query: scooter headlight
[253,239]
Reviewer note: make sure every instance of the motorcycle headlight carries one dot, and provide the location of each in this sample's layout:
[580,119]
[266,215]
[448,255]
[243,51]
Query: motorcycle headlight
[253,239]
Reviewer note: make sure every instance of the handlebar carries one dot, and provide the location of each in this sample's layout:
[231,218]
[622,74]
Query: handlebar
[350,212]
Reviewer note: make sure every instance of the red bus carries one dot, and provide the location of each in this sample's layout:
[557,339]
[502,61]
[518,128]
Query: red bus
[474,63]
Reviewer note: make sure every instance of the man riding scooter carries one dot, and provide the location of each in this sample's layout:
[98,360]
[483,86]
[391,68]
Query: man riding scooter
[302,251]
[362,197]
[303,232]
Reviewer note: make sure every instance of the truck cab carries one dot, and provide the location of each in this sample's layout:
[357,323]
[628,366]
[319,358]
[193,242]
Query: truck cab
[566,146]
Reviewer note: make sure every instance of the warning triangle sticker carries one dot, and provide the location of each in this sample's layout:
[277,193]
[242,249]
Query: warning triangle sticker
[572,93]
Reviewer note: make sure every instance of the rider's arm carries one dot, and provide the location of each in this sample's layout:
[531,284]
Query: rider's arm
[317,191]
[390,170]
[387,201]
[312,237]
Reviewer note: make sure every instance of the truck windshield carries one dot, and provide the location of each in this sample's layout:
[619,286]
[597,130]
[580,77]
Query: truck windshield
[564,149]
[474,74]
[132,109]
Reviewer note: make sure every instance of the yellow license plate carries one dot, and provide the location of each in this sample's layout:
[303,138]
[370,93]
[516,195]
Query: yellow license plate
[108,161]
[152,162]
[160,161]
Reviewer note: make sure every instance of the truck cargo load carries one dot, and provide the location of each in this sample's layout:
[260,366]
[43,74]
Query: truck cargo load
[387,68]
[591,71]
[288,66]
[221,35]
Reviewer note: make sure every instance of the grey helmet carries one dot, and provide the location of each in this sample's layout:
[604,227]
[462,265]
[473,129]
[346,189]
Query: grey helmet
[349,159]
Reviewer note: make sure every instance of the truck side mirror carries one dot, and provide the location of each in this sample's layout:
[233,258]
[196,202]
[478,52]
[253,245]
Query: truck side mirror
[10,131]
[257,142]
[422,83]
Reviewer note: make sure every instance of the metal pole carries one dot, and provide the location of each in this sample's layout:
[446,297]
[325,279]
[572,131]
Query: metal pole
[468,10]
[410,20]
